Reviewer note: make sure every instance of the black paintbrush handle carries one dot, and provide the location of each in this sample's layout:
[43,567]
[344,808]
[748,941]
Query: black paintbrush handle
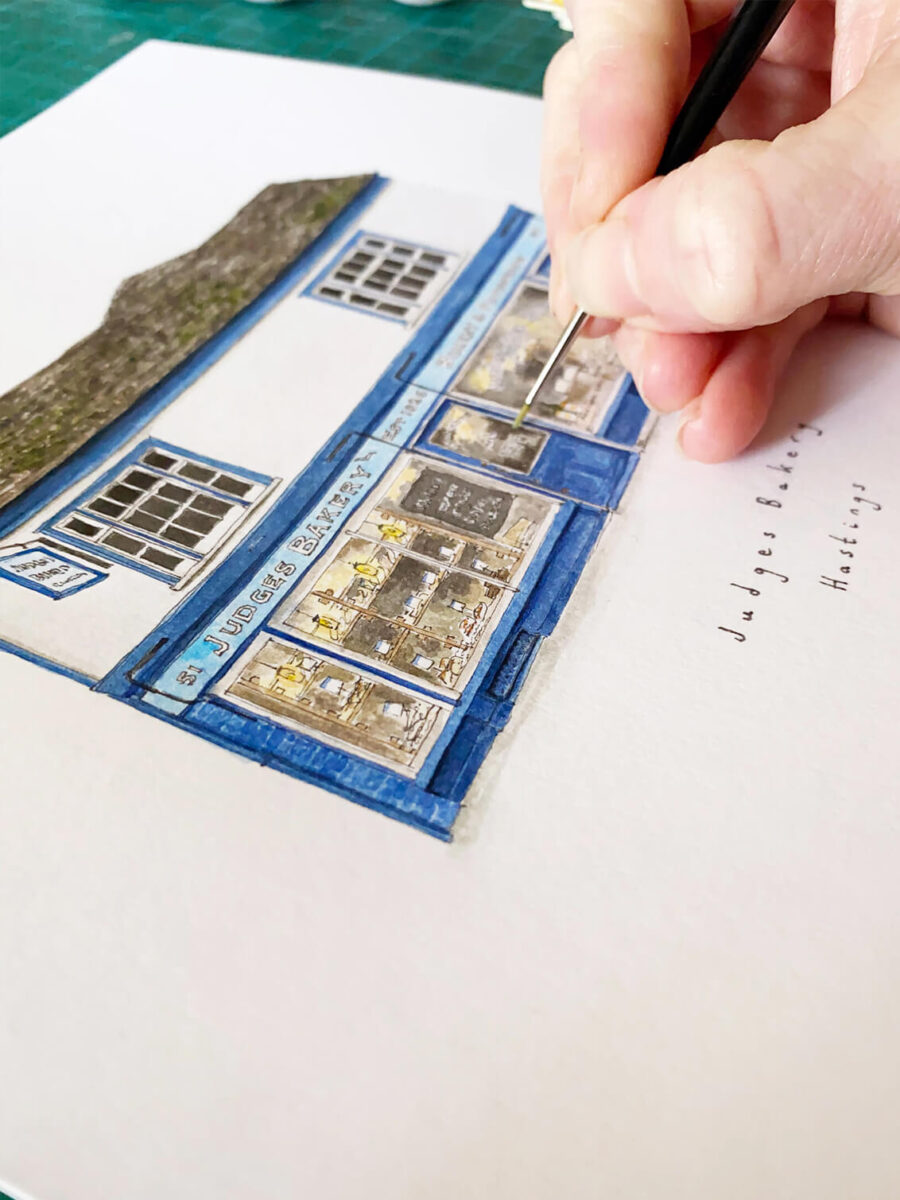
[751,28]
[747,35]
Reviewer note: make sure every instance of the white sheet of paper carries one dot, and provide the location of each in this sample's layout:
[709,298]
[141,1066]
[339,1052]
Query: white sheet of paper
[660,959]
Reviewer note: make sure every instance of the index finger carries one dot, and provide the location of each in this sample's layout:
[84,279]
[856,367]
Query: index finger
[634,61]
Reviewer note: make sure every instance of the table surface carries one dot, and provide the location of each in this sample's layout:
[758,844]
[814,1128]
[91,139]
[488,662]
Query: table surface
[49,47]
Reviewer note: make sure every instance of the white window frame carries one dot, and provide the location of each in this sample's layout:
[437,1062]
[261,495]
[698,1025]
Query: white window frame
[387,277]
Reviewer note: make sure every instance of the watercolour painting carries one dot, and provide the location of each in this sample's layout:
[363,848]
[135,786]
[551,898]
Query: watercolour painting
[341,567]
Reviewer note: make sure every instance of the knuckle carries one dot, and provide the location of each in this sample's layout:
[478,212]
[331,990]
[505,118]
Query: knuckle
[727,241]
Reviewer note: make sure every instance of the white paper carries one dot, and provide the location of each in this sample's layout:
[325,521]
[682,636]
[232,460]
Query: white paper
[660,959]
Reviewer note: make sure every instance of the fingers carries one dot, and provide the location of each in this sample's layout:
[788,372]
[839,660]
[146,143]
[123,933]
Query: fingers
[805,38]
[633,60]
[560,147]
[732,408]
[884,312]
[751,231]
[860,26]
[723,383]
[560,151]
[669,369]
[559,163]
[773,98]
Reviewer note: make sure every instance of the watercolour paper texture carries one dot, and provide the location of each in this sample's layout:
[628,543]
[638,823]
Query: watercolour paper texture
[665,930]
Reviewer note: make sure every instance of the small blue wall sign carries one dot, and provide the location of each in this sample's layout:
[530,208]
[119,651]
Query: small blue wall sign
[46,572]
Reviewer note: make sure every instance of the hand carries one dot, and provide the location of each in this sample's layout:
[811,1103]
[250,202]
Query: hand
[711,275]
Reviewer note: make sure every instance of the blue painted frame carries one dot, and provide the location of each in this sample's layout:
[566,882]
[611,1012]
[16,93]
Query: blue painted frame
[432,801]
[320,472]
[398,417]
[621,428]
[132,458]
[542,269]
[48,664]
[589,471]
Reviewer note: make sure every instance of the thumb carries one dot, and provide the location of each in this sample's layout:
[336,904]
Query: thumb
[751,231]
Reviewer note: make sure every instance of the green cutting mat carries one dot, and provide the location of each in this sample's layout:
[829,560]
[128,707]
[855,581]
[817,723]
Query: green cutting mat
[49,47]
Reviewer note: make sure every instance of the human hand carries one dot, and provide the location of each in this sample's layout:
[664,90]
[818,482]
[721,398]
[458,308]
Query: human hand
[711,275]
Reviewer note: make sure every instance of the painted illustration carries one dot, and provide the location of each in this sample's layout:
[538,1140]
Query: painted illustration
[459,518]
[43,569]
[389,607]
[324,696]
[155,321]
[381,275]
[332,554]
[161,509]
[475,435]
[509,360]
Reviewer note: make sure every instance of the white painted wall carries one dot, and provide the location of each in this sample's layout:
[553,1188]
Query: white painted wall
[268,405]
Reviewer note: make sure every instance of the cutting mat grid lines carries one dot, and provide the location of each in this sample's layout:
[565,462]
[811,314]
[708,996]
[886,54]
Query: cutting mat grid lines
[49,47]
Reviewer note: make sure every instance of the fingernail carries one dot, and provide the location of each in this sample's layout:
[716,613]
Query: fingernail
[601,272]
[690,431]
[631,344]
[561,303]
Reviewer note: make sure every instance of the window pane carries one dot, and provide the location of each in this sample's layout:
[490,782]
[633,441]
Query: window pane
[181,536]
[159,558]
[125,495]
[142,520]
[158,507]
[234,487]
[140,479]
[209,504]
[119,541]
[154,458]
[171,492]
[195,471]
[197,521]
[106,507]
[83,527]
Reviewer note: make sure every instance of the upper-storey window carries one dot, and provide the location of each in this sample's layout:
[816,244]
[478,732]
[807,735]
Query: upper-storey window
[397,280]
[162,510]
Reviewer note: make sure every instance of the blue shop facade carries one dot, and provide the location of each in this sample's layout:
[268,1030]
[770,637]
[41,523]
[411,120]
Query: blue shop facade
[361,612]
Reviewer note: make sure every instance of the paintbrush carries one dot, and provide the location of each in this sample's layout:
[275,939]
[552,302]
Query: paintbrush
[749,31]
